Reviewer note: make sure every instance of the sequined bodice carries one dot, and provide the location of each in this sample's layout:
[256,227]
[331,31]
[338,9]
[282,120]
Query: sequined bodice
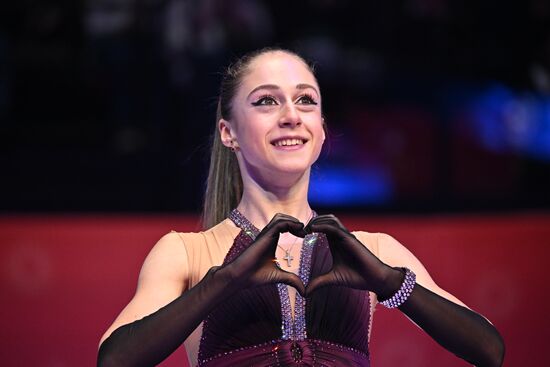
[257,324]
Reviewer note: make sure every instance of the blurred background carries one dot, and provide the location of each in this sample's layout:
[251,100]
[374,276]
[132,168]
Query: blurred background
[439,118]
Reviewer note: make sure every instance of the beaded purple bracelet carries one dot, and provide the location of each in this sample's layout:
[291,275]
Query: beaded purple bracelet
[404,292]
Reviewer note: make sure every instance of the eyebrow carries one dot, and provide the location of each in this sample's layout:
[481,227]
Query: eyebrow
[274,86]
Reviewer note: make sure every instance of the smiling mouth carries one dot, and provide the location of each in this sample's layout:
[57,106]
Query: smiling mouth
[288,142]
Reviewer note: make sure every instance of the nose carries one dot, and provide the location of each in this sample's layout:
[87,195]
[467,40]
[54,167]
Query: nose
[290,117]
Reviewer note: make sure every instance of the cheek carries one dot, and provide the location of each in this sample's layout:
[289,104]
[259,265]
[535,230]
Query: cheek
[322,136]
[317,132]
[252,140]
[243,129]
[318,128]
[318,147]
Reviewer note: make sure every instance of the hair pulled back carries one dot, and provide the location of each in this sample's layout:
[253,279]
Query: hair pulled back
[224,185]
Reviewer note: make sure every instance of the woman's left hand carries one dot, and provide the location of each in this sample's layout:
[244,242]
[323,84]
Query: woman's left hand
[353,265]
[457,328]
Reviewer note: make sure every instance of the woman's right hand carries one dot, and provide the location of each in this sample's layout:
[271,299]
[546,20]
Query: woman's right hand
[257,266]
[131,344]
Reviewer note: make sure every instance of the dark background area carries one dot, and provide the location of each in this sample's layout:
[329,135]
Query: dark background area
[433,106]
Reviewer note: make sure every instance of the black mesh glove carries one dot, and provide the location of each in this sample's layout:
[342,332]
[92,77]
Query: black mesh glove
[148,341]
[458,329]
[353,265]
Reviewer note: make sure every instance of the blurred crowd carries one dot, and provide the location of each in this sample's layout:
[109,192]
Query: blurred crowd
[108,105]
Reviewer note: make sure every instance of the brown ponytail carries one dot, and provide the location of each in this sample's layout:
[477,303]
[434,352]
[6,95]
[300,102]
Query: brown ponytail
[224,185]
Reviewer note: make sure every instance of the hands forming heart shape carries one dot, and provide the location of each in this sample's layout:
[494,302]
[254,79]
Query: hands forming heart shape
[353,265]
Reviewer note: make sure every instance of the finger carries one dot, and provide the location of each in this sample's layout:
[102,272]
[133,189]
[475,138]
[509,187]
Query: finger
[292,280]
[281,216]
[281,225]
[265,244]
[298,231]
[312,218]
[327,219]
[319,282]
[266,241]
[328,227]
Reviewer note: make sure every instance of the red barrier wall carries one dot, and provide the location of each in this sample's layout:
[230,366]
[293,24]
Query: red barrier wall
[64,279]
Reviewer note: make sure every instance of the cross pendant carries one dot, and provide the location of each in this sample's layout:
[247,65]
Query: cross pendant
[288,258]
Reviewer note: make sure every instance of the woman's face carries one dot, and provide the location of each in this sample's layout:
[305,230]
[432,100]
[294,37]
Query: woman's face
[276,117]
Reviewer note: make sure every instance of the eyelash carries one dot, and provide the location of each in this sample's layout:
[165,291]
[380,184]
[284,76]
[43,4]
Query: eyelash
[263,98]
[311,101]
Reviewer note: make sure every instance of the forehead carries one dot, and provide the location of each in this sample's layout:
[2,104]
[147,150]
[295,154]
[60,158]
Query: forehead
[279,68]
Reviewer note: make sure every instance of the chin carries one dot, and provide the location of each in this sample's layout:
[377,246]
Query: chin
[293,169]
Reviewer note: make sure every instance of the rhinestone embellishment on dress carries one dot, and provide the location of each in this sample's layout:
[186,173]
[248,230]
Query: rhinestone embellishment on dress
[291,329]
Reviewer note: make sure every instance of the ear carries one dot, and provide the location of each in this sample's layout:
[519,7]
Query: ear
[324,129]
[227,133]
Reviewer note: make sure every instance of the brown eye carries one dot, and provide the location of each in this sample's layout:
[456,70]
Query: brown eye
[306,99]
[265,101]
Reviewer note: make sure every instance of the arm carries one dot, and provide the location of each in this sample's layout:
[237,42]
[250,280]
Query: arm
[159,317]
[146,341]
[454,326]
[163,277]
[444,317]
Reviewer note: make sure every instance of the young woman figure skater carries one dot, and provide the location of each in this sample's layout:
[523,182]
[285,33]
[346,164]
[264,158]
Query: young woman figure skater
[269,282]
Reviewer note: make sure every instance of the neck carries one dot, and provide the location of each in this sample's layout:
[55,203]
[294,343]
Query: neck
[260,203]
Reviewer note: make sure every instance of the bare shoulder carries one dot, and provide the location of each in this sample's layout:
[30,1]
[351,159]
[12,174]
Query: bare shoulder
[370,240]
[384,246]
[166,260]
[161,280]
[393,253]
[175,263]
